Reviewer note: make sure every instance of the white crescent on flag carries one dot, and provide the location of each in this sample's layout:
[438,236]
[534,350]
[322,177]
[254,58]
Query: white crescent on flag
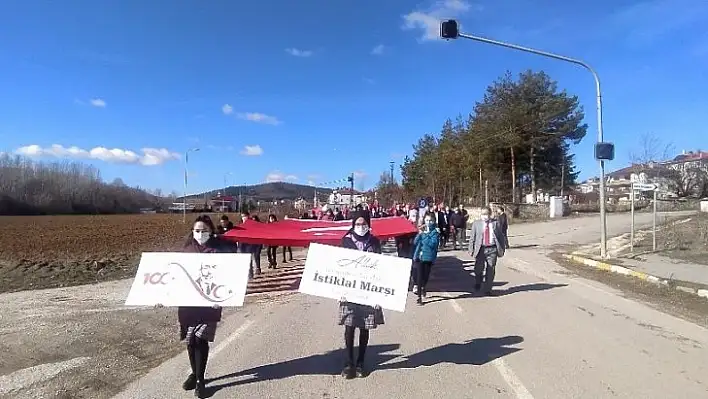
[323,231]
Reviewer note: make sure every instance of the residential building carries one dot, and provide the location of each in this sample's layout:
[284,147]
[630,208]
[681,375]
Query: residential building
[685,175]
[344,197]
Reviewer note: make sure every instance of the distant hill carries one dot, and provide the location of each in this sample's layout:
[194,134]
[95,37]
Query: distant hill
[270,191]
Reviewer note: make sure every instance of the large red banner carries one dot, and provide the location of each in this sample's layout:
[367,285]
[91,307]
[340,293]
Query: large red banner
[301,232]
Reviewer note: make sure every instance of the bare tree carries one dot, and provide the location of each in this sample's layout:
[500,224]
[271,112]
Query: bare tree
[650,148]
[28,187]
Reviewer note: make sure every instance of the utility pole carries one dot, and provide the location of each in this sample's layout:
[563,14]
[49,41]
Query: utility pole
[450,30]
[240,198]
[351,192]
[186,173]
[562,177]
[486,193]
[392,163]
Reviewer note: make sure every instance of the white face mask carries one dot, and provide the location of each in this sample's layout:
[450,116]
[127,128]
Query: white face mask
[361,230]
[201,237]
[485,217]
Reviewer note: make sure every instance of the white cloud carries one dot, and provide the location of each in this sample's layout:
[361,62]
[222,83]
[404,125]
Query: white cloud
[359,174]
[149,156]
[252,150]
[278,176]
[227,109]
[98,102]
[378,50]
[369,81]
[259,118]
[298,53]
[428,21]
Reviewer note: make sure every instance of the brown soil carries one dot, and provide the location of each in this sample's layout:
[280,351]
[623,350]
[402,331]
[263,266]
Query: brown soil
[59,251]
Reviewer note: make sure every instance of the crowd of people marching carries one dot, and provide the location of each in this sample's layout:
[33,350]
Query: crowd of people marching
[437,225]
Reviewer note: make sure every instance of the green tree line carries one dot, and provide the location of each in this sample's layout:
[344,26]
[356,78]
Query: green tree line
[515,141]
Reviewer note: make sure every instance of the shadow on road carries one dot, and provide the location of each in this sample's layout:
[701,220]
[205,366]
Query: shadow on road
[474,352]
[524,246]
[455,276]
[285,278]
[329,363]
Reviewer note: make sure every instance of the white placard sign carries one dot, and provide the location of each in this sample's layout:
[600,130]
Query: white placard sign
[190,279]
[360,277]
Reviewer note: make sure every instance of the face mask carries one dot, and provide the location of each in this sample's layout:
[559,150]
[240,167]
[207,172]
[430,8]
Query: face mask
[201,237]
[430,224]
[485,217]
[361,230]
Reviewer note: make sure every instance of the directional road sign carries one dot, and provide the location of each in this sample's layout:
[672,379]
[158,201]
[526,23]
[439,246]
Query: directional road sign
[644,186]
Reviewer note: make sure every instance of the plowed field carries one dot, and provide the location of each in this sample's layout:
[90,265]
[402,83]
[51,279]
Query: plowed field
[56,251]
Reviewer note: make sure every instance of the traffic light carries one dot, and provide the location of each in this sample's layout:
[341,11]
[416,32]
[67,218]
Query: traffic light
[449,29]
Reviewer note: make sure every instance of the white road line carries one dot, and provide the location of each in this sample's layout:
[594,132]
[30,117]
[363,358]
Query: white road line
[453,302]
[246,324]
[520,391]
[511,379]
[456,306]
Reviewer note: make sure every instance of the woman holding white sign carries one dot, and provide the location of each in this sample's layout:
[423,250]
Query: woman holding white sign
[353,315]
[197,325]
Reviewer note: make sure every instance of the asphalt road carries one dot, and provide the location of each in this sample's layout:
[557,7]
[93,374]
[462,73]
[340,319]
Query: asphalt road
[545,335]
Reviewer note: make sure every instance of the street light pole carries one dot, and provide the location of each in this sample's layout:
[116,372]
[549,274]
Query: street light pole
[598,95]
[224,208]
[186,173]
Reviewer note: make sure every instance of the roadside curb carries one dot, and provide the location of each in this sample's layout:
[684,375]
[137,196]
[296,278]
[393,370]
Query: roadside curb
[633,273]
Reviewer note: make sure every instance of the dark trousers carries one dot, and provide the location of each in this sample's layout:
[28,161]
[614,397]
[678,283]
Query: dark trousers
[198,352]
[485,266]
[444,236]
[290,250]
[256,260]
[423,275]
[272,256]
[349,343]
[457,238]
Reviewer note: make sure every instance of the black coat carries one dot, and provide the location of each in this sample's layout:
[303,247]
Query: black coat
[457,220]
[504,226]
[372,244]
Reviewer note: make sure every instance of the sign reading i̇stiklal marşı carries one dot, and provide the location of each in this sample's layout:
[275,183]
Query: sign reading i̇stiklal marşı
[361,277]
[190,279]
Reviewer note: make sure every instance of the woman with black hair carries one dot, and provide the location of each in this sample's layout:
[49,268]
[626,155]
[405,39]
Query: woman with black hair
[272,251]
[353,315]
[197,324]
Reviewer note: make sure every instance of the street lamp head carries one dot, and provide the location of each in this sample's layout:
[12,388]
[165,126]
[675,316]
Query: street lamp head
[449,29]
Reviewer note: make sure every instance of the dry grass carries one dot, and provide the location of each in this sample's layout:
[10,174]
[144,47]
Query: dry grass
[687,241]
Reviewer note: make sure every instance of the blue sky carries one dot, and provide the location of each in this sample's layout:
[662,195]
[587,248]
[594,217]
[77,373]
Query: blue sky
[320,88]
